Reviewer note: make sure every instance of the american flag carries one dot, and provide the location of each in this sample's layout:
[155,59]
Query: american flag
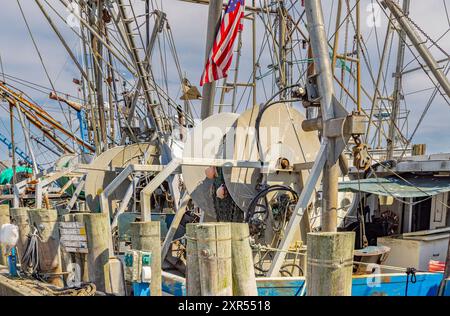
[221,55]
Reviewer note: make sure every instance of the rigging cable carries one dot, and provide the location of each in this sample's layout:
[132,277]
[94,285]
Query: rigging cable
[40,58]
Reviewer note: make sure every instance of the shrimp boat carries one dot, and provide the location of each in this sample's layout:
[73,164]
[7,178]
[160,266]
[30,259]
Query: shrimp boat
[304,133]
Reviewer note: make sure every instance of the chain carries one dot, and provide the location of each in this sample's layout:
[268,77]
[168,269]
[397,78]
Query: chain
[425,34]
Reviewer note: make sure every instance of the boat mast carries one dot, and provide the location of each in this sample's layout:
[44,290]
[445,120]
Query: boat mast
[208,93]
[398,85]
[282,48]
[96,22]
[319,46]
[88,86]
[254,58]
[142,66]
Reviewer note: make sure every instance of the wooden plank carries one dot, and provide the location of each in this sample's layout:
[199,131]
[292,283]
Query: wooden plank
[71,225]
[75,244]
[73,238]
[76,250]
[73,231]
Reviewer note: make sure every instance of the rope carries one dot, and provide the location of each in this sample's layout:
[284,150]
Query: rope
[334,264]
[30,259]
[41,59]
[410,277]
[86,289]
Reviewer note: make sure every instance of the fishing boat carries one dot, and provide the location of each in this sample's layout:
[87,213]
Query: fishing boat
[265,150]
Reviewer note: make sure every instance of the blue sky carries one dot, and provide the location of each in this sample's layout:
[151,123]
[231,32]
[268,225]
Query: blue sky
[188,23]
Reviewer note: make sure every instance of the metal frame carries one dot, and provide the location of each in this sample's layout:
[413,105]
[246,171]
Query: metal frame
[302,203]
[153,185]
[123,175]
[175,224]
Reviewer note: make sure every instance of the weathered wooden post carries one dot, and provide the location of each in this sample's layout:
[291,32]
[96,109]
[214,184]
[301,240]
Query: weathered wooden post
[214,258]
[46,222]
[192,267]
[146,236]
[19,217]
[243,270]
[97,226]
[330,264]
[4,219]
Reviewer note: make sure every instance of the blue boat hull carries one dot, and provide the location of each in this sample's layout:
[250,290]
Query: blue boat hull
[427,284]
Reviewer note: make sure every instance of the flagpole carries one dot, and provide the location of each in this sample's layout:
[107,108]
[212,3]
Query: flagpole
[208,93]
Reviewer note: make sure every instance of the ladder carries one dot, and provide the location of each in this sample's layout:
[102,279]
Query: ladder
[232,86]
[18,151]
[140,57]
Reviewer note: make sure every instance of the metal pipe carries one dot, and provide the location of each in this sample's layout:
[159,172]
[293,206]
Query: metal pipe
[358,54]
[28,143]
[319,46]
[96,20]
[254,57]
[336,35]
[282,43]
[208,93]
[13,144]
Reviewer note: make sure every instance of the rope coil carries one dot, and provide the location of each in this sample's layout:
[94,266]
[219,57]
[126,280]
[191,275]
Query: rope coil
[333,264]
[207,239]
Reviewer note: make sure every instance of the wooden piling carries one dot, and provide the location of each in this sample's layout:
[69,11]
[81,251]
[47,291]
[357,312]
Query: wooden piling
[243,270]
[146,236]
[214,257]
[192,268]
[46,221]
[330,264]
[97,227]
[4,219]
[19,217]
